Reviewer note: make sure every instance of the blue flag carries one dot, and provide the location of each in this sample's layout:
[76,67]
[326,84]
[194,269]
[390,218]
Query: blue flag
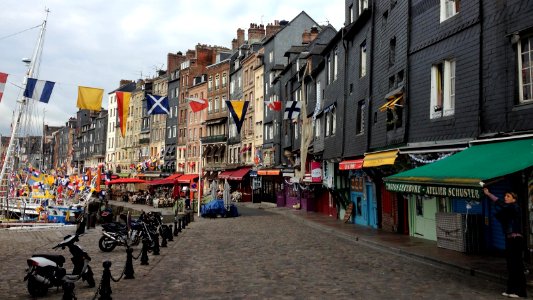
[39,90]
[157,105]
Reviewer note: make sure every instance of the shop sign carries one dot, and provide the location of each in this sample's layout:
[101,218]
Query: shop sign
[432,190]
[316,172]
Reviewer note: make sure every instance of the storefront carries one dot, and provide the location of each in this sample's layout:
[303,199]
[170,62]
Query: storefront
[188,185]
[453,185]
[271,187]
[238,180]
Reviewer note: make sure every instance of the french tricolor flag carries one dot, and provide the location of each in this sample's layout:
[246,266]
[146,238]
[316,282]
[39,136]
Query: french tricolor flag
[39,90]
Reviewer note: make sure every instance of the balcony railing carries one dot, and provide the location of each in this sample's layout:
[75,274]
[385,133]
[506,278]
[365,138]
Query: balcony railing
[214,139]
[144,141]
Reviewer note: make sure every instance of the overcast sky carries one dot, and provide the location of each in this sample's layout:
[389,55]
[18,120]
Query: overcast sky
[96,43]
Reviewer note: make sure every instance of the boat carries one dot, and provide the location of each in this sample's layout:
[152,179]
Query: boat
[28,194]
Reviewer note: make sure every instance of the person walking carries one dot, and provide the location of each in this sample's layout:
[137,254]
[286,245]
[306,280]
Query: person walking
[510,217]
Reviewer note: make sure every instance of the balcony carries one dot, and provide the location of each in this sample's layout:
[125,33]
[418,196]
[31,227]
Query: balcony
[144,141]
[214,139]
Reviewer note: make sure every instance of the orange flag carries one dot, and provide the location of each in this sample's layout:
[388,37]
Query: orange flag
[123,103]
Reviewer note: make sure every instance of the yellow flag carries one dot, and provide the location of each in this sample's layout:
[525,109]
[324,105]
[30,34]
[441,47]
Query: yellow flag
[90,98]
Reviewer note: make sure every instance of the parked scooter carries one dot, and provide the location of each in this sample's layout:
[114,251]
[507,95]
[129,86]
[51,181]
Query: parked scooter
[118,234]
[46,270]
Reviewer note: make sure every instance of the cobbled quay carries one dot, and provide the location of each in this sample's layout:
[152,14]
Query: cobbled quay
[263,254]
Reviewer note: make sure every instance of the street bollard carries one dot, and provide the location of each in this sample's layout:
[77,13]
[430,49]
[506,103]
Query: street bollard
[144,253]
[170,235]
[176,226]
[128,270]
[155,251]
[179,224]
[105,285]
[68,291]
[81,226]
[184,221]
[163,238]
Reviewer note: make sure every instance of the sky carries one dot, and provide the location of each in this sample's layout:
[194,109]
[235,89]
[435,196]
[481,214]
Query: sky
[96,43]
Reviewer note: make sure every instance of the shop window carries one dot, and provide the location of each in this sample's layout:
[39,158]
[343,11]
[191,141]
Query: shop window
[525,68]
[359,206]
[419,206]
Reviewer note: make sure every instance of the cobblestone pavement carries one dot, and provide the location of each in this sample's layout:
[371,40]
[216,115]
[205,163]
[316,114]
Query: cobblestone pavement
[259,255]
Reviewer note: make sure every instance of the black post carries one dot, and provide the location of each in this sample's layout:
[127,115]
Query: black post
[155,251]
[169,233]
[176,226]
[163,237]
[179,224]
[81,226]
[184,221]
[128,270]
[68,291]
[144,253]
[105,285]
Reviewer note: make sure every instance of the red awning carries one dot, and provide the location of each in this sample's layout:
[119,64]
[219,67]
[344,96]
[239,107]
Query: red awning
[239,174]
[125,180]
[162,181]
[355,164]
[187,178]
[225,174]
[174,176]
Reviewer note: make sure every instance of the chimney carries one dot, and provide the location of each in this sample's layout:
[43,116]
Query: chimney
[240,37]
[272,29]
[234,45]
[314,33]
[123,82]
[174,61]
[256,33]
[306,37]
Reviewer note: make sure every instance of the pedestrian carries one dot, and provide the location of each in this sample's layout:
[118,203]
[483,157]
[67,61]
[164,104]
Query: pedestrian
[510,217]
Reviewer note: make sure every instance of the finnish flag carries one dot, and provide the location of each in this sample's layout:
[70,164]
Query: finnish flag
[40,90]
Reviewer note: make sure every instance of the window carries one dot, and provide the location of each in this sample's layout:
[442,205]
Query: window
[317,128]
[217,82]
[363,4]
[442,89]
[350,14]
[210,107]
[271,56]
[224,80]
[216,104]
[360,125]
[335,64]
[525,67]
[210,83]
[448,9]
[362,60]
[329,69]
[392,52]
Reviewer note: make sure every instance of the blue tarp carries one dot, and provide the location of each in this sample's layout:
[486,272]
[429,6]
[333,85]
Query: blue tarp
[216,208]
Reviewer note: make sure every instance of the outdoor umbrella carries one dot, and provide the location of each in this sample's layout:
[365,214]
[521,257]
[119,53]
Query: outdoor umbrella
[213,189]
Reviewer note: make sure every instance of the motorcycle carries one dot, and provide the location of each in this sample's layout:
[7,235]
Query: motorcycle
[46,270]
[118,234]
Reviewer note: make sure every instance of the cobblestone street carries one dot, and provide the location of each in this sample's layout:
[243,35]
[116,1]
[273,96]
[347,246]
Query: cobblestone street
[260,255]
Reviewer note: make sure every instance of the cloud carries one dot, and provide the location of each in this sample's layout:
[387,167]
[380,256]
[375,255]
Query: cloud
[98,42]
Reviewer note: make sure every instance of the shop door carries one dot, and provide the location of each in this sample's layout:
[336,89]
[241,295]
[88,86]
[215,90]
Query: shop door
[372,206]
[423,223]
[360,208]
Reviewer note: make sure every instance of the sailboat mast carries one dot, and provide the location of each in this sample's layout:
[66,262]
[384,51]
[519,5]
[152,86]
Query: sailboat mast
[33,70]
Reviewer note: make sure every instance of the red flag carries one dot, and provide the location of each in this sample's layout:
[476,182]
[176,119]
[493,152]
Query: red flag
[198,104]
[3,80]
[274,105]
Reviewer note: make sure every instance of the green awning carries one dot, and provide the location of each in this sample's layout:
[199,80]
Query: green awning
[465,169]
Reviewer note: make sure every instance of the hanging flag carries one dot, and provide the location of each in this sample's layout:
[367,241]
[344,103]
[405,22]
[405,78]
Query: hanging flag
[40,90]
[157,105]
[123,104]
[238,108]
[3,80]
[274,105]
[90,98]
[292,110]
[197,104]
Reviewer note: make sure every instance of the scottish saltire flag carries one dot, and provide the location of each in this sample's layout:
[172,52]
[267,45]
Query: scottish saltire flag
[39,90]
[237,110]
[292,110]
[157,105]
[3,80]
